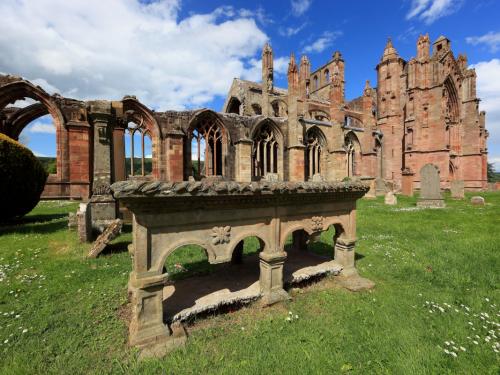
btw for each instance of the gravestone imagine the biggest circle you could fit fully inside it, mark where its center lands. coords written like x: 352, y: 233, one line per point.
x: 430, y: 188
x: 380, y: 187
x: 108, y: 235
x: 457, y: 189
x: 477, y: 201
x: 370, y: 194
x: 84, y: 224
x: 390, y: 199
x: 72, y: 220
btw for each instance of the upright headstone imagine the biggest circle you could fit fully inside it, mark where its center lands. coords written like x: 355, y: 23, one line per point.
x: 430, y: 187
x: 390, y: 199
x: 84, y: 224
x: 457, y: 189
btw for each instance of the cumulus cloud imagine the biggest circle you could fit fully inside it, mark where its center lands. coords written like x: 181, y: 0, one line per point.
x: 323, y: 42
x: 41, y: 127
x: 491, y: 40
x: 429, y: 11
x: 76, y: 48
x: 488, y: 89
x: 299, y: 7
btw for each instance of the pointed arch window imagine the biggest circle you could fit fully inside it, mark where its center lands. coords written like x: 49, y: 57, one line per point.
x: 140, y: 156
x: 353, y: 154
x: 314, y: 153
x: 207, y: 142
x: 265, y: 150
x: 327, y: 76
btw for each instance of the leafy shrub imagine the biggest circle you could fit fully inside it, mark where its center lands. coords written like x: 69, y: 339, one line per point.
x: 23, y: 179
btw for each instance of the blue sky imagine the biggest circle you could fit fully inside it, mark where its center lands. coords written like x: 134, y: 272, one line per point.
x: 183, y: 54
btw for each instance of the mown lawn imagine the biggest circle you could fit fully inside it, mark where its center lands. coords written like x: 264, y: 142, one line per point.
x: 436, y: 274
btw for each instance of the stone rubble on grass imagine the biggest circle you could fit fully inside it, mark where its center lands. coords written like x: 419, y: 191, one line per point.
x: 477, y: 201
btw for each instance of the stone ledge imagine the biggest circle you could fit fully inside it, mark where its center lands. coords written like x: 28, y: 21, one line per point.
x: 126, y: 189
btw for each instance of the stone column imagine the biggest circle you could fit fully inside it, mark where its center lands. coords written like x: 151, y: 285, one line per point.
x: 102, y: 204
x: 344, y: 255
x: 120, y: 174
x: 177, y: 163
x: 296, y: 168
x: 244, y: 160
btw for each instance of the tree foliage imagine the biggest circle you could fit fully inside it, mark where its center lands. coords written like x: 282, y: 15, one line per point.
x: 23, y: 179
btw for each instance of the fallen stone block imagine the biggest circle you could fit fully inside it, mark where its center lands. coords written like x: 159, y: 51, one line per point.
x: 109, y: 234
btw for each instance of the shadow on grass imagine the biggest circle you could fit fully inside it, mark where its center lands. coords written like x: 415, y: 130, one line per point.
x: 35, y: 224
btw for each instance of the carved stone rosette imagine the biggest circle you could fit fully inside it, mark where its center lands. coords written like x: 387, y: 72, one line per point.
x: 221, y: 235
x: 317, y: 223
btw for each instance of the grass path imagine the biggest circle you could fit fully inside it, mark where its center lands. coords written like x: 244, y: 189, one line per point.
x: 435, y: 309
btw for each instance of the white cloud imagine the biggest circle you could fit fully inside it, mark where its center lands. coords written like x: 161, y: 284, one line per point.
x: 299, y: 7
x: 41, y: 127
x: 488, y: 90
x: 78, y: 49
x: 323, y: 42
x: 40, y: 155
x: 429, y: 11
x: 491, y: 39
x: 290, y: 31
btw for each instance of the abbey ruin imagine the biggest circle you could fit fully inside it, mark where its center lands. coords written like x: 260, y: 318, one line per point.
x: 424, y: 110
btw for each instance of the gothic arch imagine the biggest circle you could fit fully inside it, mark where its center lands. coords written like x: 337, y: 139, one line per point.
x: 23, y: 116
x: 234, y: 105
x: 352, y: 147
x: 315, y: 152
x: 136, y: 112
x: 207, y: 130
x: 450, y: 101
x: 267, y: 149
x: 22, y: 89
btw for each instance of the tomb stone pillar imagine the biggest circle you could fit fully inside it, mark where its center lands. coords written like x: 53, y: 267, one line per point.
x: 272, y: 260
x: 146, y: 293
x: 344, y: 255
x: 146, y: 325
x: 103, y: 206
x: 271, y: 277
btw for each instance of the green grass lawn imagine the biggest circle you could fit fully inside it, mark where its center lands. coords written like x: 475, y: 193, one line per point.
x: 436, y: 274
